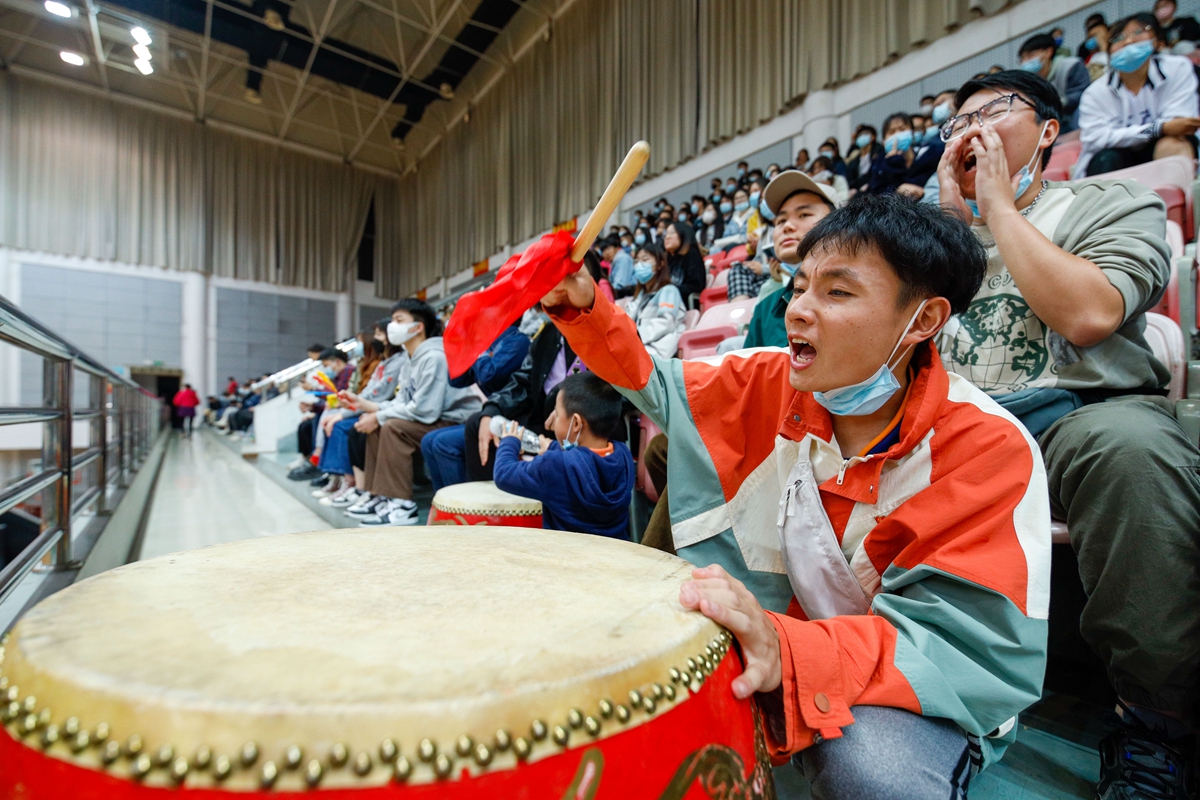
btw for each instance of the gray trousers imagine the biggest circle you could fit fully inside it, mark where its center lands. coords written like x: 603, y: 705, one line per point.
x: 891, y: 754
x: 1124, y: 478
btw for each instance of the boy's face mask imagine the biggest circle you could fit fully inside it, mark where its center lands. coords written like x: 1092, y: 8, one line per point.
x: 566, y: 442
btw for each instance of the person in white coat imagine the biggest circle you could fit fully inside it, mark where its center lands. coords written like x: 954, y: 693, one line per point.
x: 657, y: 307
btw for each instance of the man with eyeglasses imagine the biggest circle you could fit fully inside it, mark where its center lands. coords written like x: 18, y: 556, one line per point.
x: 1144, y: 108
x: 1055, y: 335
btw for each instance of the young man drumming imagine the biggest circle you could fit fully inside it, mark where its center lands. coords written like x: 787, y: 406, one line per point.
x: 905, y: 510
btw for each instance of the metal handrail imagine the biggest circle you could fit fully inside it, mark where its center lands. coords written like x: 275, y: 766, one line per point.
x: 115, y: 403
x: 295, y: 370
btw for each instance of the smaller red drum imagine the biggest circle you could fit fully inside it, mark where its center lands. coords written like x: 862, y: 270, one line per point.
x: 481, y: 503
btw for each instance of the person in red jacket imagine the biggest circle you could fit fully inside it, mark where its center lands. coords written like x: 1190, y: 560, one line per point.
x: 185, y: 403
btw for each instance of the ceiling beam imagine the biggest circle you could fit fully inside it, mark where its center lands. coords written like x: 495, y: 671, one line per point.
x: 202, y: 84
x: 416, y: 62
x: 97, y: 45
x: 312, y: 56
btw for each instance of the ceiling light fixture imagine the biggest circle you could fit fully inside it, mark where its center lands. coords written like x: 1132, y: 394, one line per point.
x: 140, y: 36
x: 446, y: 91
x: 142, y: 52
x: 74, y: 59
x: 59, y: 9
x: 143, y: 66
x: 273, y: 20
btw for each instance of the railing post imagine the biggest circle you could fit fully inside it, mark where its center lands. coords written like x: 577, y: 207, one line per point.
x: 57, y: 453
x: 102, y: 389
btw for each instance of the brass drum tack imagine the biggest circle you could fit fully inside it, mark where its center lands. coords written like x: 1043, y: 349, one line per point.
x: 401, y: 769
x: 503, y: 740
x: 463, y: 745
x: 313, y: 773
x: 338, y: 755
x: 362, y: 764
x: 442, y: 765
x: 388, y: 751
x: 426, y: 750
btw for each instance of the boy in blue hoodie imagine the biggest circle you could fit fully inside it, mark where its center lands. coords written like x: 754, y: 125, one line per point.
x: 584, y: 480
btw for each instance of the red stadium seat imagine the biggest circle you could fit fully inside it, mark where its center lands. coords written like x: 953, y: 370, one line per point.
x: 736, y: 314
x: 713, y: 296
x: 700, y: 342
x: 1073, y: 136
x: 1176, y: 201
x: 1064, y: 155
x: 1057, y: 174
x: 738, y: 253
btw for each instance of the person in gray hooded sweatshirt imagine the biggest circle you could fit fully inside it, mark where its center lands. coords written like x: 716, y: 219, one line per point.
x: 424, y: 402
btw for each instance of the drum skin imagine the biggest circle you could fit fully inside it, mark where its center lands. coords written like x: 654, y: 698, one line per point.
x: 481, y: 503
x: 678, y: 733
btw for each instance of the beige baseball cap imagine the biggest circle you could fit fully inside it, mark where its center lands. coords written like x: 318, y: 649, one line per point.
x: 790, y: 181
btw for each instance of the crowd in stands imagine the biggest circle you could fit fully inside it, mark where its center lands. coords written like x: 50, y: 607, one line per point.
x: 872, y: 335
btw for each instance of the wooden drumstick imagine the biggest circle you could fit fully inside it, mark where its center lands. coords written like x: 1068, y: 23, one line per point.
x: 635, y: 159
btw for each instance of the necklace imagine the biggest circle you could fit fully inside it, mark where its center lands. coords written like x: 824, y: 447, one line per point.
x: 1028, y: 208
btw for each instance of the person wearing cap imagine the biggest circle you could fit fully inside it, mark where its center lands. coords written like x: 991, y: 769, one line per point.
x: 876, y: 530
x: 798, y: 203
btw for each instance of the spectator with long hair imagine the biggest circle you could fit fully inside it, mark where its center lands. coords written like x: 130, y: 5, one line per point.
x: 684, y: 258
x: 657, y: 307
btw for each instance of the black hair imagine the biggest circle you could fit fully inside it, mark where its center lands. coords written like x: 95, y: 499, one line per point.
x: 421, y: 312
x: 332, y: 352
x: 687, y: 236
x: 585, y: 394
x: 1039, y: 41
x: 314, y: 348
x: 933, y: 251
x: 612, y: 240
x: 1093, y: 21
x: 825, y: 162
x: 662, y: 269
x: 592, y: 262
x: 1034, y: 88
x: 893, y: 117
x: 1142, y: 18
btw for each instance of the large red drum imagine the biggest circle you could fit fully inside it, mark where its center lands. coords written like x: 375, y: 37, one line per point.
x: 481, y: 503
x: 384, y: 663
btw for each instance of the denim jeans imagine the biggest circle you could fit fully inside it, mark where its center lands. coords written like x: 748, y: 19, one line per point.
x: 445, y: 453
x: 891, y: 754
x: 335, y: 456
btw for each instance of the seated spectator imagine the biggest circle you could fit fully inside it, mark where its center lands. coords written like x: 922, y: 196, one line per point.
x: 1094, y: 49
x: 1176, y: 29
x: 832, y: 151
x: 657, y: 307
x: 741, y: 218
x: 424, y: 402
x: 445, y: 450
x: 1055, y: 335
x: 1067, y: 74
x: 1145, y: 108
x: 925, y: 107
x: 943, y: 109
x: 802, y: 158
x: 919, y: 122
x: 800, y: 205
x: 866, y: 153
x: 620, y: 273
x: 821, y: 171
x: 907, y: 165
x: 772, y: 171
x: 338, y: 424
x: 1059, y: 36
x: 687, y: 264
x: 371, y: 340
x: 584, y: 478
x: 712, y: 225
x: 923, y: 627
x: 743, y: 171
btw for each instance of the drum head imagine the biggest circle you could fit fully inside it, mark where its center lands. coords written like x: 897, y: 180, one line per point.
x: 350, y: 638
x: 482, y: 497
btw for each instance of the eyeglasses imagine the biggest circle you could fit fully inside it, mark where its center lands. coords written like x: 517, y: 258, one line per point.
x: 993, y: 112
x: 1120, y: 38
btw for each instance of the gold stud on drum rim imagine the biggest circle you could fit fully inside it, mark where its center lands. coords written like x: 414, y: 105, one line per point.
x: 538, y: 730
x: 313, y: 773
x: 503, y: 740
x: 164, y: 756
x: 362, y: 764
x: 293, y: 757
x: 648, y: 704
x: 101, y: 734
x: 140, y: 766
x: 401, y: 770
x: 29, y: 704
x: 388, y: 751
x: 179, y: 769
x: 268, y: 775
x: 203, y: 757
x: 80, y: 742
x: 222, y: 768
x: 464, y: 745
x: 561, y: 735
x: 669, y: 691
x: 248, y: 754
x: 442, y: 765
x: 49, y: 736
x: 606, y: 708
x: 10, y: 712
x: 592, y: 725
x: 338, y: 755
x: 623, y: 713
x: 110, y: 753
x: 522, y: 748
x: 426, y: 750
x: 70, y: 727
x: 482, y: 754
x: 657, y: 691
x: 575, y: 718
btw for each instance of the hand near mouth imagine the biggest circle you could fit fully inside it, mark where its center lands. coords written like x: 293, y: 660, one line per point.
x: 995, y: 188
x: 950, y: 177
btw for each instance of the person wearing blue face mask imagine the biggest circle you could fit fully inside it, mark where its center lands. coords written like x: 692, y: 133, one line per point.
x: 657, y: 306
x: 867, y: 151
x: 907, y: 163
x: 743, y: 219
x: 1073, y: 269
x: 1144, y: 108
x: 620, y: 271
x: 1068, y: 74
x: 774, y: 474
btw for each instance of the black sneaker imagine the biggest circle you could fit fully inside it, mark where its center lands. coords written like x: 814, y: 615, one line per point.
x: 320, y: 480
x: 304, y: 473
x: 1138, y: 762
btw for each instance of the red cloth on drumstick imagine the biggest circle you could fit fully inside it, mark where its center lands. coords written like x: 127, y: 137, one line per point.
x: 524, y: 279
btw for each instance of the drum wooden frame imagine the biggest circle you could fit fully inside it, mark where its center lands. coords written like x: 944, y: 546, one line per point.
x: 113, y: 724
x: 483, y: 503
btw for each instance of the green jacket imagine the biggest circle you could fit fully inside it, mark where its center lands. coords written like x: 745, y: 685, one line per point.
x: 766, y: 326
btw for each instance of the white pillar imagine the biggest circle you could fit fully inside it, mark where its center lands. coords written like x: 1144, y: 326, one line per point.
x: 215, y: 382
x: 820, y: 120
x: 344, y: 319
x: 10, y: 357
x: 194, y: 338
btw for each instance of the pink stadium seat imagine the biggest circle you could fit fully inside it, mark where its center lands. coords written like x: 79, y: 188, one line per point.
x: 1174, y: 171
x: 1165, y: 338
x: 1057, y: 174
x: 716, y: 295
x: 1073, y: 136
x: 721, y: 278
x: 1176, y: 201
x: 1064, y: 155
x: 738, y: 253
x: 690, y: 319
x: 649, y: 431
x: 699, y: 342
x: 736, y: 314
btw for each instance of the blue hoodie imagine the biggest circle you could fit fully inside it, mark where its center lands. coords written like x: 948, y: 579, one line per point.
x: 579, y: 490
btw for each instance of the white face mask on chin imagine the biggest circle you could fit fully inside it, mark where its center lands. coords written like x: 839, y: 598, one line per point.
x: 398, y: 333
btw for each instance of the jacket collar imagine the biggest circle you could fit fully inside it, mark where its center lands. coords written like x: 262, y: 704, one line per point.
x: 928, y: 392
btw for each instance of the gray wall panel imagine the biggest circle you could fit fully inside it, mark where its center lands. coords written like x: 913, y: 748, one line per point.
x: 259, y: 332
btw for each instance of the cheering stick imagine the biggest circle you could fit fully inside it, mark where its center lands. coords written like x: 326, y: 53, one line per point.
x: 635, y: 159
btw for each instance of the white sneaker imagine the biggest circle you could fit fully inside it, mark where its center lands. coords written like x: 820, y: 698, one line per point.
x: 395, y: 512
x: 299, y: 462
x: 331, y: 487
x: 366, y: 506
x: 342, y: 498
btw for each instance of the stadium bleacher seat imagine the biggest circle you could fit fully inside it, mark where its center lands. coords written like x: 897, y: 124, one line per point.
x: 737, y: 314
x: 1176, y: 202
x: 690, y: 319
x: 714, y: 295
x: 1064, y: 155
x: 1179, y: 261
x: 1173, y: 171
x: 700, y: 342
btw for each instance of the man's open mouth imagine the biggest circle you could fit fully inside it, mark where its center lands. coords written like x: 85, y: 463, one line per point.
x: 969, y: 162
x: 803, y: 353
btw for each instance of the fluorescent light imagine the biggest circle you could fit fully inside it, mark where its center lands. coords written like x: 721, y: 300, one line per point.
x: 143, y: 66
x: 74, y: 59
x: 142, y: 52
x: 59, y: 9
x: 140, y: 35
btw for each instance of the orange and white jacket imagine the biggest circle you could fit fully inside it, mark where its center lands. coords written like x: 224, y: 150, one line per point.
x: 916, y: 578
